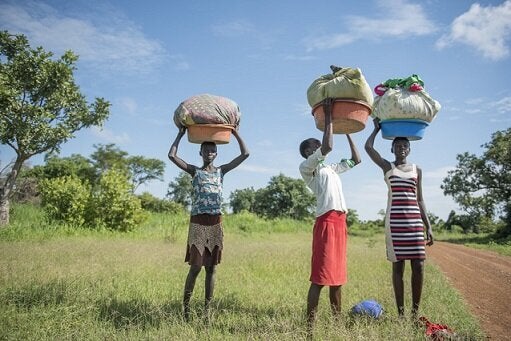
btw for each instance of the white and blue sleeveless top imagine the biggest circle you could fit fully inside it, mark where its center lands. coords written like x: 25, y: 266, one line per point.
x: 207, y: 192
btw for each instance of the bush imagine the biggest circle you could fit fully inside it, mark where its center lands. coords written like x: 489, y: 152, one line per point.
x: 153, y: 204
x: 26, y: 191
x: 113, y: 205
x: 65, y: 199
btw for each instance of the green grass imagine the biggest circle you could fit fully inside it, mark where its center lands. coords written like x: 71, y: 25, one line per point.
x: 484, y: 241
x: 90, y: 285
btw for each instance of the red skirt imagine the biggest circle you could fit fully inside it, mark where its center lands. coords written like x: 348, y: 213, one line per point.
x: 329, y: 242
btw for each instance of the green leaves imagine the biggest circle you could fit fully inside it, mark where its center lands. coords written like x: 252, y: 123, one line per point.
x: 40, y: 105
x: 65, y: 199
x: 283, y: 197
x: 110, y: 204
x: 482, y: 185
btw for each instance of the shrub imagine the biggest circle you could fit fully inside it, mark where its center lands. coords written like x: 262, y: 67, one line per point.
x: 113, y: 205
x: 153, y: 204
x: 65, y: 199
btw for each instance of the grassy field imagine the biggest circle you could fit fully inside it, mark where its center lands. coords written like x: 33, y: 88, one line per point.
x: 484, y: 241
x: 58, y: 283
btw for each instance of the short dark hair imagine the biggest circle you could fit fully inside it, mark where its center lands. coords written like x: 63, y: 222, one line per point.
x: 207, y: 143
x: 399, y: 138
x: 307, y: 143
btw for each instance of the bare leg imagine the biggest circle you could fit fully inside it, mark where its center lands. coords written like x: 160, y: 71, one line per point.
x: 312, y: 305
x: 335, y: 299
x: 189, y: 285
x: 397, y: 282
x: 210, y: 288
x: 417, y: 281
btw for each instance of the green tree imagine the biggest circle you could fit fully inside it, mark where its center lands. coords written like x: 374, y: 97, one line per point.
x: 139, y: 168
x: 65, y: 199
x: 284, y: 197
x: 109, y: 156
x: 113, y: 205
x: 242, y: 200
x: 180, y: 190
x: 153, y: 204
x: 41, y: 107
x: 352, y: 217
x: 482, y: 185
x: 55, y: 167
x: 433, y: 218
x: 144, y: 169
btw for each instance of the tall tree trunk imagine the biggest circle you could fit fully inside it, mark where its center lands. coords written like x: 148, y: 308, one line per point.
x: 4, y: 211
x: 6, y: 190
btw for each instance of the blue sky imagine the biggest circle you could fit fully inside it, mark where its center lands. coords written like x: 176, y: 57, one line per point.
x: 145, y: 57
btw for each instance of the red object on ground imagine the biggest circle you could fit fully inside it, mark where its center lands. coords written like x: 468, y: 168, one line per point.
x: 436, y: 331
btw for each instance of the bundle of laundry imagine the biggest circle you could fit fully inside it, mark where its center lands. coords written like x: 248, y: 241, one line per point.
x: 208, y: 118
x: 404, y: 107
x: 352, y: 96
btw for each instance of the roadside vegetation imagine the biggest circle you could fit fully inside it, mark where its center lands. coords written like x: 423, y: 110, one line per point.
x: 59, y: 282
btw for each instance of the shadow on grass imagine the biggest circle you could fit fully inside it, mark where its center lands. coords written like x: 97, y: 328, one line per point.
x: 138, y: 313
x: 36, y: 295
x: 232, y: 315
x: 228, y: 313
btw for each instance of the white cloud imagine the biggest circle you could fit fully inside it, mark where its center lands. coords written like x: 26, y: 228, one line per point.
x: 397, y: 18
x: 493, y: 109
x: 265, y: 143
x: 236, y: 28
x: 129, y: 105
x: 104, y: 39
x: 179, y: 62
x: 303, y: 58
x: 503, y: 105
x: 437, y: 174
x: 501, y: 120
x: 109, y: 136
x: 475, y: 101
x: 258, y: 169
x: 487, y: 29
x: 244, y: 29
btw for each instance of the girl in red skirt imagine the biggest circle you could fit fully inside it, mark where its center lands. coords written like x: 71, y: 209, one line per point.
x: 329, y: 240
x: 205, y: 232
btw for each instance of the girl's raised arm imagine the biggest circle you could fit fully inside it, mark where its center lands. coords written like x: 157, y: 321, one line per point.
x: 173, y: 153
x: 373, y: 154
x: 240, y: 158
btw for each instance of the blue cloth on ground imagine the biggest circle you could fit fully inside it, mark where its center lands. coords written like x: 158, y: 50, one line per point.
x: 369, y: 308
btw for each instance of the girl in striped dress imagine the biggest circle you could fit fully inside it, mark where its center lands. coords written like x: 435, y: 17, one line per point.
x: 405, y: 220
x: 205, y: 231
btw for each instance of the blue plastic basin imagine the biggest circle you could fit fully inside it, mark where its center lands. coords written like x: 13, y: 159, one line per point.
x: 411, y: 129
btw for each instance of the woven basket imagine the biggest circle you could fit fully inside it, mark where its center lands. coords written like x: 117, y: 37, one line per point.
x: 218, y: 133
x: 348, y: 116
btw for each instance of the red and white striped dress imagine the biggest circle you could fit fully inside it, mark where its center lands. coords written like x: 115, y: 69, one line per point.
x: 404, y: 229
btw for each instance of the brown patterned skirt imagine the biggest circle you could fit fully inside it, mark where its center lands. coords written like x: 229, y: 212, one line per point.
x: 205, y: 240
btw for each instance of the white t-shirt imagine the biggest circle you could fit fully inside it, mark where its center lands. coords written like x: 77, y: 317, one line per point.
x: 324, y: 181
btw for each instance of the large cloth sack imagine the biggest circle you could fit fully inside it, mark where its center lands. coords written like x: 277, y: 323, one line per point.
x: 347, y: 83
x: 399, y: 103
x: 207, y: 109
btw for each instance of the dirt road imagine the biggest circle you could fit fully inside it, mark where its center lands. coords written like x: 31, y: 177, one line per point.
x: 484, y: 280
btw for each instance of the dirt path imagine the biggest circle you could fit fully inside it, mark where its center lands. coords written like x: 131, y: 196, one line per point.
x: 484, y: 280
